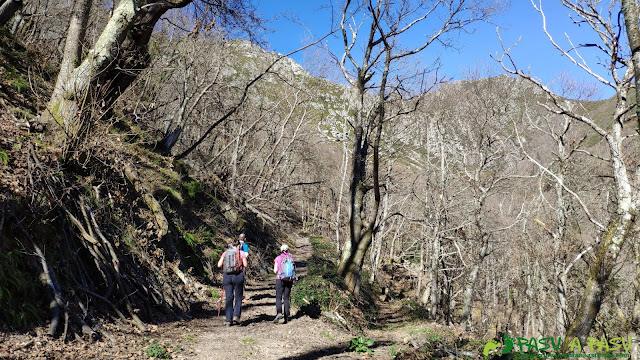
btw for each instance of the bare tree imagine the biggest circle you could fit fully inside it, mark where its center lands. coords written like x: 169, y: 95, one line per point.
x: 607, y: 29
x: 379, y: 51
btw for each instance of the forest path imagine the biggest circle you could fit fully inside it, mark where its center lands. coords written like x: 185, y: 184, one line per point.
x: 302, y: 338
x: 257, y: 337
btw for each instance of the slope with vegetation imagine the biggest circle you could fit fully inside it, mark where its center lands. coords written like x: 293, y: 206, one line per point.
x: 481, y: 211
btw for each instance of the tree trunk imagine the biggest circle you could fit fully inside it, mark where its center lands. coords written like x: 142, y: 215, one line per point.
x: 360, y: 229
x: 559, y: 236
x: 467, y: 304
x: 433, y: 269
x: 375, y: 255
x: 8, y: 9
x: 352, y: 267
x: 75, y: 89
x: 72, y: 52
x: 631, y: 12
x: 634, y: 332
x: 599, y: 275
x: 345, y: 168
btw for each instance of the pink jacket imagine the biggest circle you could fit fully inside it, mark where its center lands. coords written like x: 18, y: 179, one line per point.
x: 278, y: 263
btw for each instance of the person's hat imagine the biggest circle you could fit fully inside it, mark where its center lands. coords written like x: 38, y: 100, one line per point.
x: 284, y: 247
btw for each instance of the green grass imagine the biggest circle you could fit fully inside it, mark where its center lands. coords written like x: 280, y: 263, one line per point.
x: 4, y: 158
x: 431, y: 335
x: 328, y: 336
x: 193, y: 188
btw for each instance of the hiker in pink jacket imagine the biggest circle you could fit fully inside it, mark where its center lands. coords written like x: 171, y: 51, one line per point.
x: 284, y: 282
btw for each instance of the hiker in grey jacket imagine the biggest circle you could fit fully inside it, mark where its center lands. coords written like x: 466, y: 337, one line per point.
x: 233, y: 261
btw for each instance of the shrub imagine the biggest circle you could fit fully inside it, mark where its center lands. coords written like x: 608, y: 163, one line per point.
x: 360, y: 345
x: 156, y: 350
x: 193, y: 188
x: 322, y: 285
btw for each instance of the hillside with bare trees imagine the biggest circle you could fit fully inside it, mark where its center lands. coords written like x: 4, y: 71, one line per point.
x: 435, y: 218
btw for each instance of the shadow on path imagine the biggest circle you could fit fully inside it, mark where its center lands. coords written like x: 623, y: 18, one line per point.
x: 320, y: 353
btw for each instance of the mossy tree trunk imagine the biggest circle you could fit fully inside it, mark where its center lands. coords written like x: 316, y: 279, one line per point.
x: 599, y: 274
x: 634, y: 331
x: 108, y: 69
x: 609, y: 248
x: 68, y: 105
x: 631, y: 12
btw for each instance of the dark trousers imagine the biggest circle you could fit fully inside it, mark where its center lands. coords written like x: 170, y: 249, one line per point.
x: 283, y: 289
x: 233, y: 289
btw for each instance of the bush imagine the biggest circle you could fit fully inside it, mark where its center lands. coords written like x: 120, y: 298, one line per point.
x: 322, y: 285
x: 156, y: 350
x: 360, y: 345
x: 193, y: 188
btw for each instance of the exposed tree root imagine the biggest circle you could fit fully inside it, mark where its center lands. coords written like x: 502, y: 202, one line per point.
x: 106, y: 259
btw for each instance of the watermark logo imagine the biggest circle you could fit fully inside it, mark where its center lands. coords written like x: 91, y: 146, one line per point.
x: 493, y: 345
x: 535, y: 348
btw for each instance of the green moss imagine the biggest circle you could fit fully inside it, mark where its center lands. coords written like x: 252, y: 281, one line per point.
x: 55, y: 113
x: 128, y: 237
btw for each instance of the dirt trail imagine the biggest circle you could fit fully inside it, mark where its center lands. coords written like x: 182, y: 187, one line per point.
x: 257, y: 337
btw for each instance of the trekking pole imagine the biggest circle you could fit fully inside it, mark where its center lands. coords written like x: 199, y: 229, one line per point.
x: 221, y: 293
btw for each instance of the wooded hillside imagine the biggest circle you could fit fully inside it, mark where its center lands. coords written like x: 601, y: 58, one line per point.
x: 132, y: 150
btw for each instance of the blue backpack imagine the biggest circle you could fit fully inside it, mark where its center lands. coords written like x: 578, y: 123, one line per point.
x: 288, y: 269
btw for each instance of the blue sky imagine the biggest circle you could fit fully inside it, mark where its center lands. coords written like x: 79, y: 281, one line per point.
x: 533, y: 52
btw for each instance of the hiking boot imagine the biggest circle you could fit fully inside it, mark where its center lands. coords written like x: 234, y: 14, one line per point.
x: 227, y: 323
x: 277, y: 319
x: 236, y: 319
